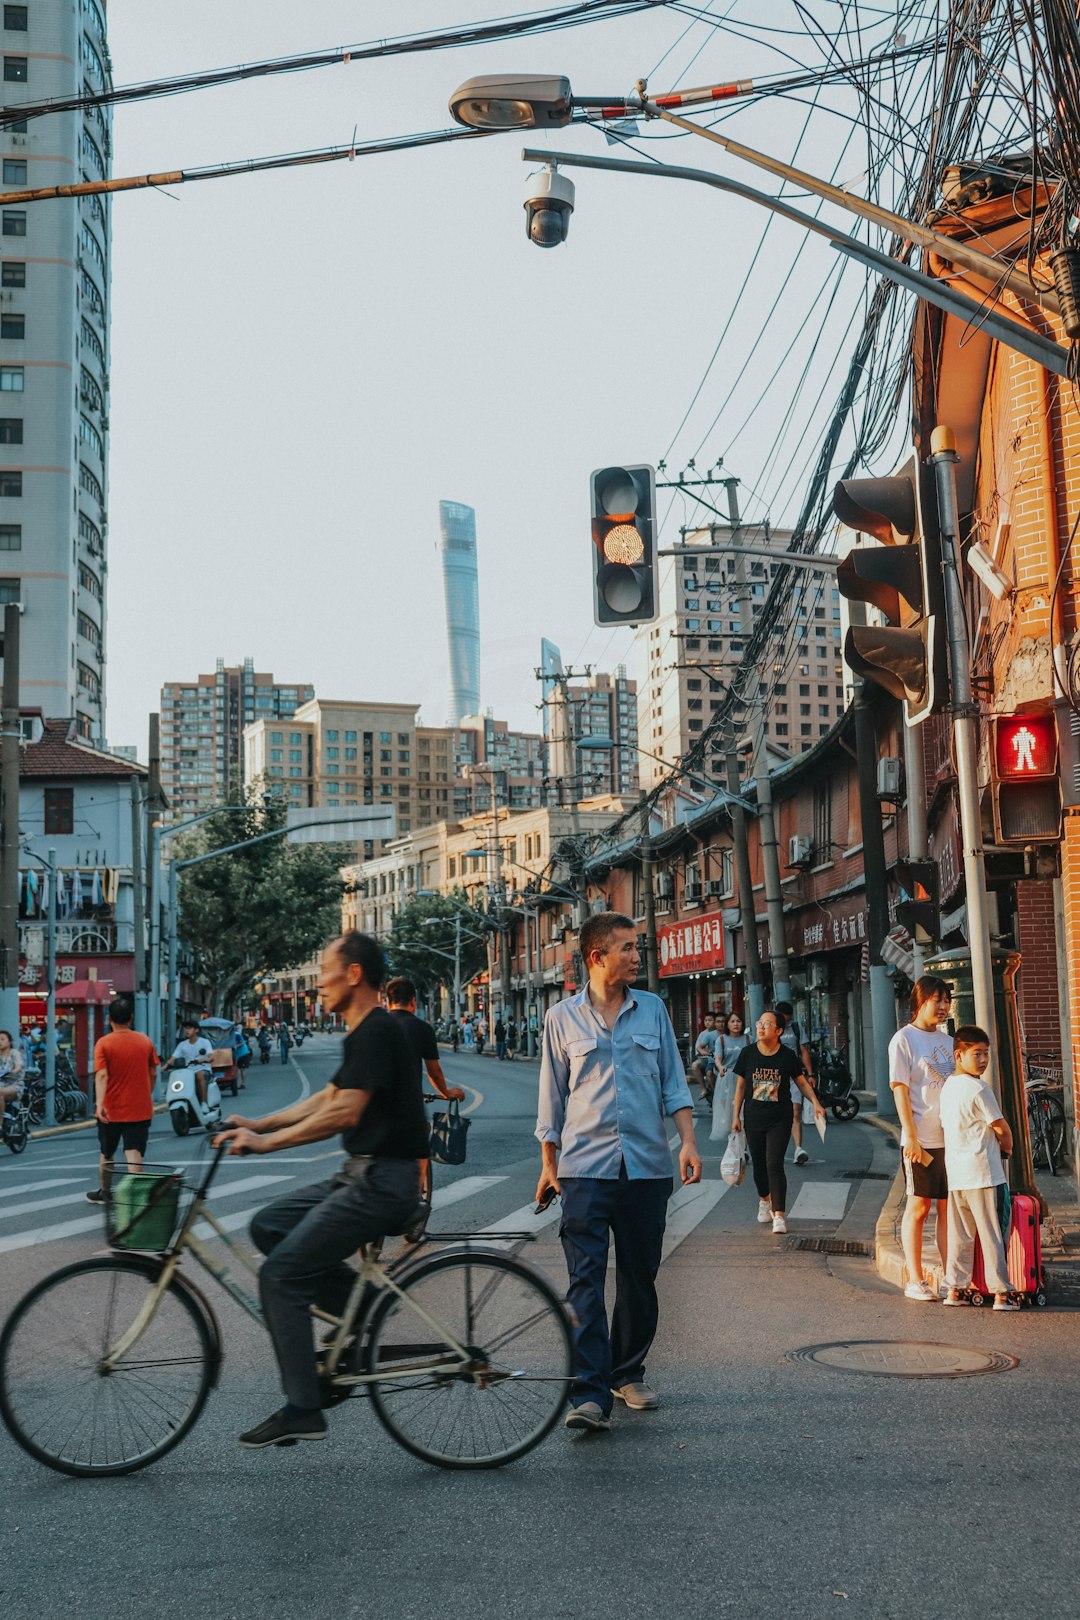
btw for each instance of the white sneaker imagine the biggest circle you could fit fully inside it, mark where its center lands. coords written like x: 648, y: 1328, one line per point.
x: 779, y: 1224
x: 764, y: 1211
x: 801, y: 1156
x: 919, y: 1291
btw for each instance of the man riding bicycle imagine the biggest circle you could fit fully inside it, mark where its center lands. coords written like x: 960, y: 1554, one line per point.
x: 375, y: 1101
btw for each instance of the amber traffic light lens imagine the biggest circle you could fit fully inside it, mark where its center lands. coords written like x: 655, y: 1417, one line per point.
x: 623, y: 544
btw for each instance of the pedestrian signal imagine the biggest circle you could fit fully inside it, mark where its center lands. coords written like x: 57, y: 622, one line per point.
x: 623, y: 503
x: 1027, y: 788
x: 917, y: 906
x: 901, y: 578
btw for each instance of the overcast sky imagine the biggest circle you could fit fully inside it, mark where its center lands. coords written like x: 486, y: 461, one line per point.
x: 305, y: 362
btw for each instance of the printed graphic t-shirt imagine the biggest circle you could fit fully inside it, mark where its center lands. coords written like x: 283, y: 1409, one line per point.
x: 972, y: 1154
x: 767, y: 1097
x: 922, y: 1060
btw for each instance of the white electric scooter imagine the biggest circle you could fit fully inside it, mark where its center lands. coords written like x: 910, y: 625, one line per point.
x: 185, y: 1109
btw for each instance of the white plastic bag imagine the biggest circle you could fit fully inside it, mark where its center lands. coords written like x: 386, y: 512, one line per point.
x: 723, y: 1099
x: 732, y: 1164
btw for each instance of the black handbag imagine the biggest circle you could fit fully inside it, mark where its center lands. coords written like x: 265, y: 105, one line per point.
x: 448, y: 1135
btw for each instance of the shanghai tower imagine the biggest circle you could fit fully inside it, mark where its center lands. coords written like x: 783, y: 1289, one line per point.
x: 457, y: 524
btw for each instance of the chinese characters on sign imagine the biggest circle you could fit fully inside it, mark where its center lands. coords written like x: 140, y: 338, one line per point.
x: 692, y: 947
x: 827, y: 928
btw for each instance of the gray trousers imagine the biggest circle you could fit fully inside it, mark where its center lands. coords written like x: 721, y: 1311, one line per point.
x: 971, y: 1212
x: 307, y: 1238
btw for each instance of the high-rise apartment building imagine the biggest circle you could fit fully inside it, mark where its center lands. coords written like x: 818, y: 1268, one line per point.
x: 457, y: 526
x: 687, y: 657
x: 202, y: 730
x: 54, y: 358
x: 602, y: 706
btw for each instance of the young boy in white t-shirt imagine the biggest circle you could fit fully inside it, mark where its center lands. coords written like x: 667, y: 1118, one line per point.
x: 976, y: 1135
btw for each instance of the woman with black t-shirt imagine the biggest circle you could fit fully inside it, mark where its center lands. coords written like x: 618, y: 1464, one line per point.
x: 764, y: 1072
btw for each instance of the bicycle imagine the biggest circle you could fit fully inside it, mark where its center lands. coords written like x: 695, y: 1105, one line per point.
x: 106, y: 1365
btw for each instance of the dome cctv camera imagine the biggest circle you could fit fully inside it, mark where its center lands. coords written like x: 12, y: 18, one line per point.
x: 549, y: 202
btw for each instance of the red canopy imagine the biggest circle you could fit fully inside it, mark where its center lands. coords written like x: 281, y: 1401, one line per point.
x: 84, y: 993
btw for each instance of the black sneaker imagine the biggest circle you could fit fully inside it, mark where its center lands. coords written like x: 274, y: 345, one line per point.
x: 96, y: 1196
x: 282, y: 1430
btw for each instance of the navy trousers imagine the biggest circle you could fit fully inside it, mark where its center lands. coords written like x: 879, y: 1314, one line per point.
x: 634, y: 1213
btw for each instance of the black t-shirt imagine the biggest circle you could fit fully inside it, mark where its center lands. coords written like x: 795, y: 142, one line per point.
x: 421, y: 1037
x: 379, y: 1058
x: 767, y: 1093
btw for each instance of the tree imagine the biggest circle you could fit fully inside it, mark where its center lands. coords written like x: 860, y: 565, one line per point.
x: 421, y: 943
x: 260, y: 910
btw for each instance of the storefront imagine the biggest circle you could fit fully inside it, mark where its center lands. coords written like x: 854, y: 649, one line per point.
x: 828, y: 953
x: 694, y: 960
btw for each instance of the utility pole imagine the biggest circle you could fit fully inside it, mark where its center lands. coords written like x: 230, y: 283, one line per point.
x: 744, y: 884
x: 918, y: 841
x: 652, y: 966
x: 50, y: 996
x: 155, y: 805
x: 138, y: 898
x: 759, y: 765
x: 9, y: 815
x: 882, y: 1001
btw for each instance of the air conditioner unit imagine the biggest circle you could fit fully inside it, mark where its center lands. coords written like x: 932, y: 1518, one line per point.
x: 692, y: 893
x: 597, y: 906
x: 800, y: 850
x: 888, y: 779
x: 663, y: 885
x: 714, y: 888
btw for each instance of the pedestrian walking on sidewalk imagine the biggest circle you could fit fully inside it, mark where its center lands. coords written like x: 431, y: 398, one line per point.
x: 765, y: 1072
x: 610, y: 1076
x: 500, y: 1040
x: 703, y: 1068
x: 284, y: 1042
x: 976, y: 1137
x: 791, y: 1037
x: 729, y: 1044
x: 511, y: 1039
x: 920, y: 1061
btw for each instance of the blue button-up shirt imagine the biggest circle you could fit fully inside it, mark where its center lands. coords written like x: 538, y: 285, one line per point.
x: 605, y: 1093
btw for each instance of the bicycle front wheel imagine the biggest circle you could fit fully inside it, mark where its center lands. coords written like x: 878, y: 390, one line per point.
x: 512, y: 1390
x: 67, y: 1410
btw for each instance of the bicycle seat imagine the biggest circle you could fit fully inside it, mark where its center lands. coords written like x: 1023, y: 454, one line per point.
x: 414, y: 1230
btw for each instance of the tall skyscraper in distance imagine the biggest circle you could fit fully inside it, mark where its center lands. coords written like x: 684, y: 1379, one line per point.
x: 457, y: 526
x: 54, y: 359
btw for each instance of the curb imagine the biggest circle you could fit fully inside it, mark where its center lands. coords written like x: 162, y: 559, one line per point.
x: 88, y: 1124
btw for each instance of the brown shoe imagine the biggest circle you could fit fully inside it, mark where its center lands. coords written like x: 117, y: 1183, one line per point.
x: 638, y: 1397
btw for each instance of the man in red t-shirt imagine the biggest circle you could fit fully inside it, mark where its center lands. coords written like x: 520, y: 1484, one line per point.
x: 125, y: 1069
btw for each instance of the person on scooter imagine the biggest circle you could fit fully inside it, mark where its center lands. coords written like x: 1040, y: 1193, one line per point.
x: 11, y: 1072
x: 193, y: 1050
x: 265, y: 1043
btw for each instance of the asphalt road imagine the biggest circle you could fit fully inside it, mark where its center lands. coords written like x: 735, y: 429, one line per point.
x: 763, y: 1486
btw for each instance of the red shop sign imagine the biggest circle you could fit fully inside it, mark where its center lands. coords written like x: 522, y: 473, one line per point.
x: 691, y: 947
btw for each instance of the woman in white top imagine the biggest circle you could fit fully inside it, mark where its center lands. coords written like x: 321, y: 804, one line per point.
x: 730, y: 1041
x: 920, y: 1061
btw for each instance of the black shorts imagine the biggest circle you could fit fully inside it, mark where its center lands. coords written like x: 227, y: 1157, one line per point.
x: 134, y: 1133
x: 927, y: 1180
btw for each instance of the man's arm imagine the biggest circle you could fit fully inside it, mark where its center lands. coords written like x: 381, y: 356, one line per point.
x: 285, y: 1118
x: 101, y: 1080
x: 551, y: 1105
x: 438, y: 1079
x: 678, y: 1103
x: 334, y: 1111
x: 1000, y: 1128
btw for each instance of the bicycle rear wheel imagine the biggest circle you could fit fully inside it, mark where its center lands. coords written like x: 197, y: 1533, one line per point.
x: 60, y: 1405
x: 512, y: 1391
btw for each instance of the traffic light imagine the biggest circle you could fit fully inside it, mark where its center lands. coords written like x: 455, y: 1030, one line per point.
x: 623, y: 503
x: 917, y: 908
x: 1027, y: 788
x: 902, y: 579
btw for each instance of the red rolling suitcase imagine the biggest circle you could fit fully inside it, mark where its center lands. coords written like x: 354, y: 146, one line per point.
x: 1023, y: 1253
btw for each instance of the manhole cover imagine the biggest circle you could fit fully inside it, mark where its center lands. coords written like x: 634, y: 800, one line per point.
x: 890, y: 1358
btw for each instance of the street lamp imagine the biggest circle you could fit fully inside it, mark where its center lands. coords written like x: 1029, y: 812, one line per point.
x: 433, y: 922
x: 493, y: 103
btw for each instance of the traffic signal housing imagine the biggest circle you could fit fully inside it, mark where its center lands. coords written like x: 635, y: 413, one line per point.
x: 1026, y: 784
x: 901, y: 577
x: 917, y: 909
x: 625, y: 587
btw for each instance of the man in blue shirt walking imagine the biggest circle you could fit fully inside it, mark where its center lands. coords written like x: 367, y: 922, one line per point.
x: 610, y: 1074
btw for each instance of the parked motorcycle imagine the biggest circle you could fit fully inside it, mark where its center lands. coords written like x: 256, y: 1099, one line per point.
x: 834, y: 1084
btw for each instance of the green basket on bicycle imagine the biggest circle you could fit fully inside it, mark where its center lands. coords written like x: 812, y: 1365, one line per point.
x: 143, y: 1209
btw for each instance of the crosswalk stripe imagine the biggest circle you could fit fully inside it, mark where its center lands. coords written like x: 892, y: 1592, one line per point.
x: 39, y: 1186
x: 467, y: 1187
x: 687, y: 1209
x: 820, y: 1201
x: 92, y: 1223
